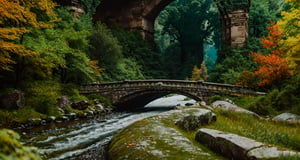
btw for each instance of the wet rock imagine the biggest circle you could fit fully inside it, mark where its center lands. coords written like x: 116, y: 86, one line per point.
x: 43, y: 122
x: 50, y: 119
x: 96, y: 101
x: 90, y: 113
x: 99, y: 106
x: 237, y: 147
x: 63, y: 101
x: 287, y: 117
x: 65, y: 118
x: 12, y: 100
x: 189, y: 104
x: 34, y: 122
x: 158, y: 140
x: 80, y: 105
x: 196, y: 119
x: 230, y: 106
x: 82, y: 115
x: 62, y: 119
x: 61, y: 111
x: 73, y: 115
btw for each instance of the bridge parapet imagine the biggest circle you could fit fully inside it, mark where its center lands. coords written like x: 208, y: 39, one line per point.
x: 120, y: 92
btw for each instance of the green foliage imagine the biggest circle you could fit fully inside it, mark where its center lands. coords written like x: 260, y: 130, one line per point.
x: 231, y: 63
x: 102, y: 99
x: 109, y: 51
x: 42, y: 95
x: 214, y: 98
x: 146, y: 61
x: 189, y: 26
x: 262, y: 106
x: 11, y: 148
x: 286, y: 99
x: 91, y: 5
x: 10, y: 118
x: 260, y: 15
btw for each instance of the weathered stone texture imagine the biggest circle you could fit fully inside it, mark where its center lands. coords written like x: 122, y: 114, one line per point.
x: 196, y: 119
x: 237, y: 147
x: 140, y: 15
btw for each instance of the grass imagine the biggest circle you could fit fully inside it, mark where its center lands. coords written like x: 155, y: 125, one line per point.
x: 126, y: 142
x: 129, y: 143
x: 8, y: 118
x: 270, y: 132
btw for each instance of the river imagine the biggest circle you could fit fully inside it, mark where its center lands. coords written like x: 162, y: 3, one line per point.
x: 88, y: 139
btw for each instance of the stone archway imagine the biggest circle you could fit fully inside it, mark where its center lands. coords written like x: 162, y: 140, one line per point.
x: 140, y: 15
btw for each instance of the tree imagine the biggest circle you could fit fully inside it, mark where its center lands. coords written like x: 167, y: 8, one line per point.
x: 272, y: 68
x: 189, y: 25
x: 290, y: 26
x: 17, y: 19
x: 199, y: 74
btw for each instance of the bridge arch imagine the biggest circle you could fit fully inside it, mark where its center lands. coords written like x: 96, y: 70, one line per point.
x: 140, y: 15
x: 138, y: 93
x: 143, y: 97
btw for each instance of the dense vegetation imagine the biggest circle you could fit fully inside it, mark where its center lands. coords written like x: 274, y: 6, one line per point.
x: 184, y: 29
x: 44, y: 47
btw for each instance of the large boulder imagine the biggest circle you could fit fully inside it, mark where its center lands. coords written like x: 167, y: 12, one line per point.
x: 157, y: 138
x: 287, y: 117
x: 12, y: 100
x: 80, y: 105
x: 193, y: 120
x: 230, y: 106
x: 238, y: 147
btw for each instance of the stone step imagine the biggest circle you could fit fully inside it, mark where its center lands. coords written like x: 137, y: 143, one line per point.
x: 237, y: 147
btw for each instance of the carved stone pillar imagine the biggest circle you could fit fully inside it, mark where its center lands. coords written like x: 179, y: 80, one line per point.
x: 235, y: 28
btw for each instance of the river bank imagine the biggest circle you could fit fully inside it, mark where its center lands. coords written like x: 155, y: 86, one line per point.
x: 176, y: 134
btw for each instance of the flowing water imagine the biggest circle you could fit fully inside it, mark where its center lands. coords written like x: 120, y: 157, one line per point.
x: 88, y: 139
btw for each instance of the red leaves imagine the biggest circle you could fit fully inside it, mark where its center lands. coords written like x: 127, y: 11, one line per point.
x: 272, y: 68
x: 271, y: 42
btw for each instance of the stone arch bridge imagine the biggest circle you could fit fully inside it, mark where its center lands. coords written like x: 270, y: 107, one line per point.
x: 140, y: 15
x: 138, y: 93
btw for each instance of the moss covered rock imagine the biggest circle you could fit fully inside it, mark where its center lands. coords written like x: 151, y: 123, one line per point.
x: 158, y: 138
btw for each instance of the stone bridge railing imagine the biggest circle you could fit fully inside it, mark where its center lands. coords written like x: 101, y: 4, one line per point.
x: 197, y: 89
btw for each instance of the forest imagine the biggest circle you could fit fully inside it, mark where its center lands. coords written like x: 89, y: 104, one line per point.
x: 43, y: 45
x: 47, y: 52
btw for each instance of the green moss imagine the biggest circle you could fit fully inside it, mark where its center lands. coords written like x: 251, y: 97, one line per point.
x: 157, y: 138
x: 8, y: 118
x: 11, y: 148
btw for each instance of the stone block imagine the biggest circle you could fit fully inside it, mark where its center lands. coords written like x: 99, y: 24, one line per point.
x: 192, y: 121
x: 238, y: 147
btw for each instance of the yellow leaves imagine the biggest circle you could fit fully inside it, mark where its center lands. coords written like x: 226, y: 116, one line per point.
x: 12, y: 33
x: 290, y: 25
x: 94, y: 64
x: 16, y: 18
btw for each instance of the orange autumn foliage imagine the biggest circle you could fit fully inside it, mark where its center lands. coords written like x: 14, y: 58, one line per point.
x: 272, y: 68
x: 16, y: 19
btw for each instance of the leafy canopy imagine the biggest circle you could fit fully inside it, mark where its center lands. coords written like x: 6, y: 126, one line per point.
x: 17, y: 18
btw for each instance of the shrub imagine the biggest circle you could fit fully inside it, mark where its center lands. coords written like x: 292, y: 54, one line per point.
x: 42, y: 95
x: 215, y: 98
x: 11, y: 148
x: 102, y: 99
x: 261, y: 106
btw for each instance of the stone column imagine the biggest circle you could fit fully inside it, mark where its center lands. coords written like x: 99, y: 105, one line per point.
x: 235, y: 27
